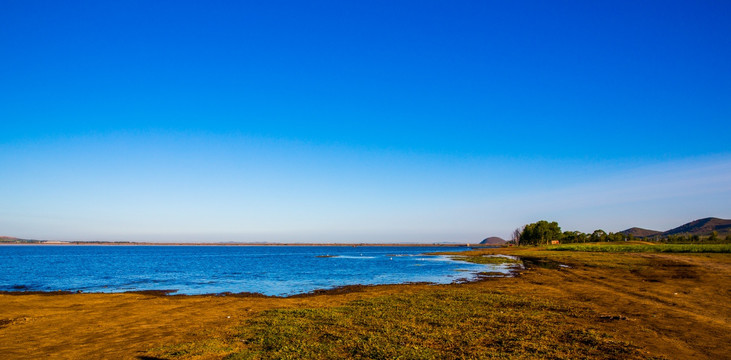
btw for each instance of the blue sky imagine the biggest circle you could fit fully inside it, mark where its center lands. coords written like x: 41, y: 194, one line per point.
x: 377, y: 121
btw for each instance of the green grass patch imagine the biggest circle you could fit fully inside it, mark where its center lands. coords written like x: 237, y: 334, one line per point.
x: 445, y: 324
x: 661, y: 248
x: 439, y: 324
x: 487, y: 259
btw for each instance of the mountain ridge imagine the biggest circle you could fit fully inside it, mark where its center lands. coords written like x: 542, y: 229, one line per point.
x: 700, y: 227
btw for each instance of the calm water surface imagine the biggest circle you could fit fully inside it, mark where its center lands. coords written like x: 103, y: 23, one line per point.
x: 270, y: 270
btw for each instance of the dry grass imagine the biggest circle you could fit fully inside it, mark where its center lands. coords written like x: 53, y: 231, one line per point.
x: 603, y: 305
x: 661, y: 248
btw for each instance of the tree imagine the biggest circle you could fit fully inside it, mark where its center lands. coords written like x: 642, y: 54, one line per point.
x: 615, y: 237
x: 573, y: 237
x: 598, y: 235
x: 516, y: 235
x: 541, y: 232
x: 714, y: 236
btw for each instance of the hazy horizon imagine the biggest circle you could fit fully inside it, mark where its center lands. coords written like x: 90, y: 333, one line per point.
x: 369, y: 122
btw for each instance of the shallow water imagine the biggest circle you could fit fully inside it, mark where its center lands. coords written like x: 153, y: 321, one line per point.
x: 269, y: 270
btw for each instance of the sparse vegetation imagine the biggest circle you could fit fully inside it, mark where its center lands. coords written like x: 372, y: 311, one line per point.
x: 440, y: 324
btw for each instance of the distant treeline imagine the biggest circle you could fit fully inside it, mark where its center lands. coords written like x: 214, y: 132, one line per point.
x: 546, y: 233
x: 713, y: 238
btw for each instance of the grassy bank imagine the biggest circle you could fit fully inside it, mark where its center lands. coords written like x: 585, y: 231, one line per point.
x: 659, y: 248
x: 564, y: 305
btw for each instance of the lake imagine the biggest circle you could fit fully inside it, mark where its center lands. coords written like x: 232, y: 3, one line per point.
x: 269, y: 270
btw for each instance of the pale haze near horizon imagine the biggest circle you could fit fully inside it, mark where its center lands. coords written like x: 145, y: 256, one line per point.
x: 239, y: 189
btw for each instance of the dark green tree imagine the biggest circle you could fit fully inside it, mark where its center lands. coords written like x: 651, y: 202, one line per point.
x: 573, y: 237
x: 598, y: 235
x: 541, y: 232
x: 615, y: 237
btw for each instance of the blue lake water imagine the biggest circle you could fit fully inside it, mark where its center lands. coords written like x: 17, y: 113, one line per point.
x: 269, y: 270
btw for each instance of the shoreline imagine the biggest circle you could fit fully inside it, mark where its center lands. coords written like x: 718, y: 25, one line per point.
x: 340, y: 289
x: 600, y: 305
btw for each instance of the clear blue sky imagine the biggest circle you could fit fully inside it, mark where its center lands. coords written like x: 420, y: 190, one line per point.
x: 346, y: 121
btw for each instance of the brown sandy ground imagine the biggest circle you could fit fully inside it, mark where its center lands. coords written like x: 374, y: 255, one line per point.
x: 673, y: 306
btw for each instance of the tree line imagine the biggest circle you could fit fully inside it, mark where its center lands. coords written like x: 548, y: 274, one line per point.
x: 545, y: 233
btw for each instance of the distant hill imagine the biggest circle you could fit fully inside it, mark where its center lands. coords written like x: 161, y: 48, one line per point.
x: 493, y: 240
x: 9, y: 239
x: 640, y: 232
x: 14, y: 240
x: 702, y: 227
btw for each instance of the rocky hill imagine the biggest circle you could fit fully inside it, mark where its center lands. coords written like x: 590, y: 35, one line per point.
x: 640, y: 232
x: 700, y: 227
x: 493, y: 240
